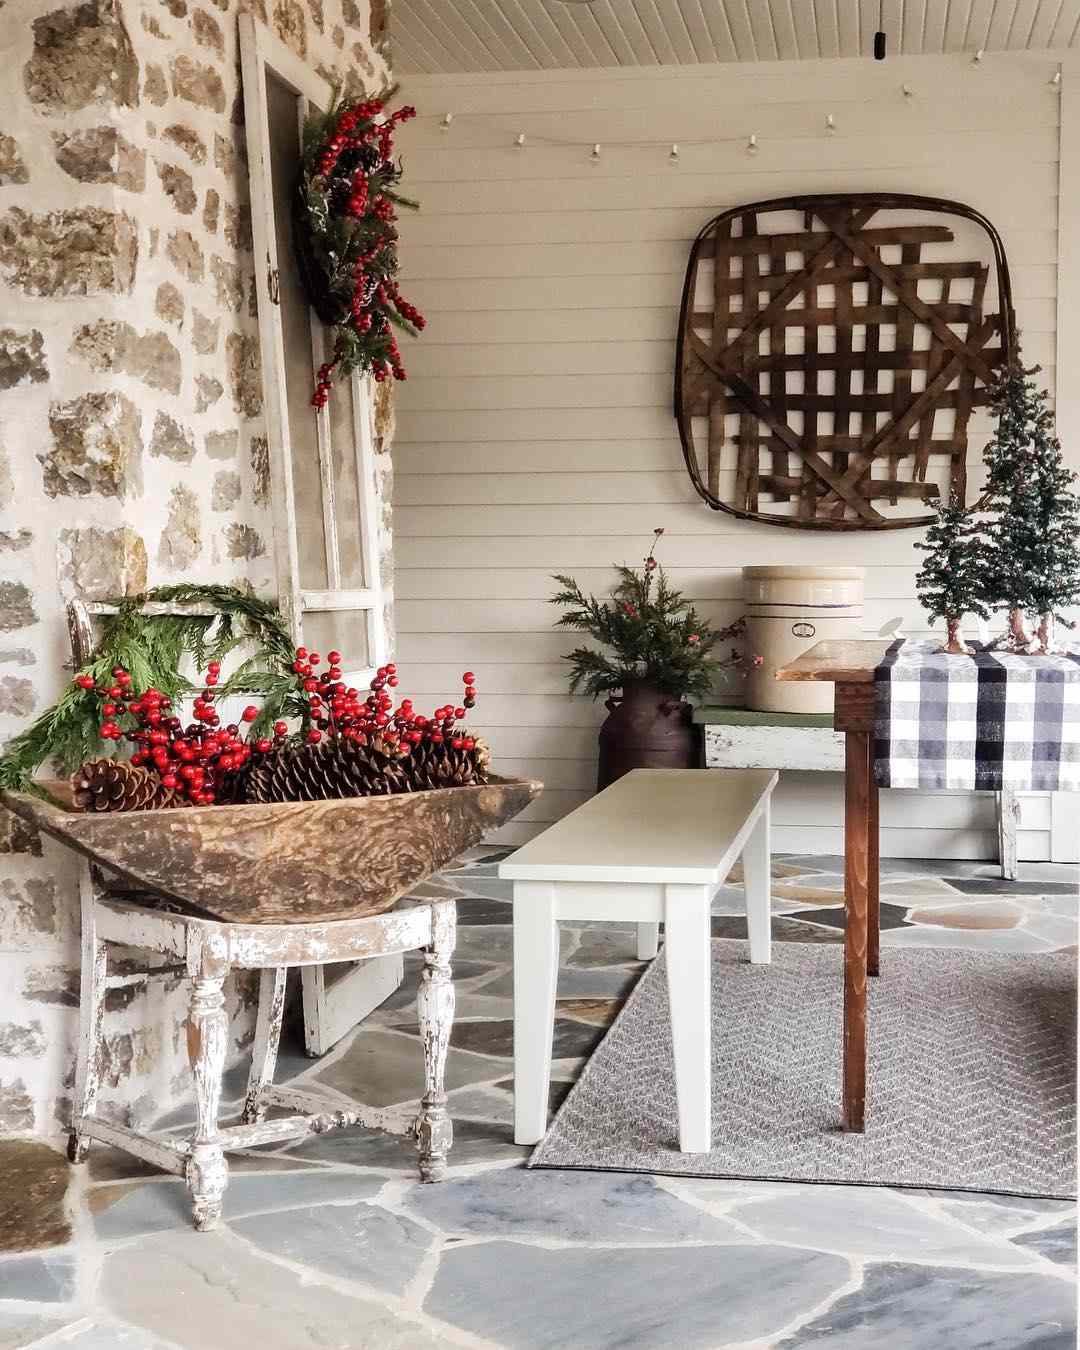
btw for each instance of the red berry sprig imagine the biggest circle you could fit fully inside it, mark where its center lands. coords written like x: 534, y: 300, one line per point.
x: 197, y: 760
x: 356, y: 167
x: 340, y: 711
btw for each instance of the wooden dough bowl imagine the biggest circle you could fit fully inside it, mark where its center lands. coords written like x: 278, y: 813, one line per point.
x: 289, y: 862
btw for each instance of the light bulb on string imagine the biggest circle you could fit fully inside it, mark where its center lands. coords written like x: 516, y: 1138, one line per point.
x: 752, y: 144
x: 595, y: 154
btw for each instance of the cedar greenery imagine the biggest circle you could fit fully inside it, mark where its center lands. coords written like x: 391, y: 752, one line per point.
x: 151, y: 648
x: 654, y: 634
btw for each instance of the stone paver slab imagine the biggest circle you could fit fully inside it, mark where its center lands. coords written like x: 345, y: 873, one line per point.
x: 35, y: 1181
x: 1057, y: 1244
x: 23, y: 1329
x: 474, y: 1142
x: 351, y: 1242
x: 224, y: 1295
x: 568, y: 1206
x: 957, y: 1309
x: 41, y: 1278
x: 115, y: 1336
x: 872, y: 1223
x: 384, y: 1067
x: 649, y: 1298
x: 123, y: 1212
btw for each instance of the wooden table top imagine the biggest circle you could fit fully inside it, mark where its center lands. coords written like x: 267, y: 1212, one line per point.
x: 838, y: 662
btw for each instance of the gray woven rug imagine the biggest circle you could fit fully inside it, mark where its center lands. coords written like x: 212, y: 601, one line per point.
x: 971, y: 1075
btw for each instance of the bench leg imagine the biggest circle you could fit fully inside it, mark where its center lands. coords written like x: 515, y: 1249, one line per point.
x: 757, y: 884
x: 688, y: 947
x: 648, y: 940
x: 536, y: 973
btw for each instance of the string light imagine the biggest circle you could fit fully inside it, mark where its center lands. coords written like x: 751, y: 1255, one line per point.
x: 673, y: 154
x: 909, y: 93
x: 1055, y: 79
x: 519, y: 140
x: 445, y: 125
x: 595, y: 156
x: 751, y: 144
x: 830, y: 124
x: 977, y: 59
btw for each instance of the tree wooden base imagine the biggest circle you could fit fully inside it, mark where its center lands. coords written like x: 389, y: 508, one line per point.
x: 1016, y: 639
x: 1046, y: 643
x: 954, y: 642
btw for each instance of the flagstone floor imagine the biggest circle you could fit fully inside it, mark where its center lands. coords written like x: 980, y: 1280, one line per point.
x: 333, y: 1244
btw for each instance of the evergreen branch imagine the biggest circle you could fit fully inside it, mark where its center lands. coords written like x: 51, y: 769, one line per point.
x: 151, y: 648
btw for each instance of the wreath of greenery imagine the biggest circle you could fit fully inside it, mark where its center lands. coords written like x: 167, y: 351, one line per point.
x: 345, y: 238
x: 151, y: 647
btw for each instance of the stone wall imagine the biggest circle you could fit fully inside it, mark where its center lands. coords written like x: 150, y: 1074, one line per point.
x: 132, y: 445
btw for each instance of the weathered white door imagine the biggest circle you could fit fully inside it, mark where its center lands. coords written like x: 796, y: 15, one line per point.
x: 322, y: 471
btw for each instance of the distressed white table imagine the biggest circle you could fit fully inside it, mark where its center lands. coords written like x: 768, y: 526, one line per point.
x: 739, y: 738
x: 655, y: 845
x: 205, y: 950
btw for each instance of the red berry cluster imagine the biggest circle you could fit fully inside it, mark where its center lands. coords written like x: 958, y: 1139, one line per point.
x: 340, y: 711
x: 196, y: 760
x: 367, y: 147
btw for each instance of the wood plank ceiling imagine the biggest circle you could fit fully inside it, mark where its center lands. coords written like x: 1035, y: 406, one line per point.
x: 474, y: 35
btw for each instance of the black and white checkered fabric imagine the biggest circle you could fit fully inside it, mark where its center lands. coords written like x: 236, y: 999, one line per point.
x: 986, y: 722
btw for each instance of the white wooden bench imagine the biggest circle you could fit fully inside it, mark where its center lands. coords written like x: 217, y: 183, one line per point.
x: 655, y: 846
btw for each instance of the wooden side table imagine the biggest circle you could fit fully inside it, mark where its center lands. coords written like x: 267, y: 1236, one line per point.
x: 850, y: 666
x: 205, y: 950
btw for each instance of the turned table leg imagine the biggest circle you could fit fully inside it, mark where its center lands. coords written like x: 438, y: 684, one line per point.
x: 91, y: 1011
x: 435, y: 1005
x: 207, y: 1038
x: 857, y: 812
x: 272, y: 982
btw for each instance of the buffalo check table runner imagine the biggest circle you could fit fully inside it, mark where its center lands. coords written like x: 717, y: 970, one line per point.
x: 984, y: 722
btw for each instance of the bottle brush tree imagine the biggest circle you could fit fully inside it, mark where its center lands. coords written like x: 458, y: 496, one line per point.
x: 1032, y: 558
x: 949, y: 583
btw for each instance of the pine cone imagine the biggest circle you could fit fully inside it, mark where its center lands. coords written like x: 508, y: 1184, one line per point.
x: 335, y: 768
x: 116, y: 785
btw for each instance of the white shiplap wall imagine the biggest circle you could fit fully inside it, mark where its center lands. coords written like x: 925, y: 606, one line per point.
x: 535, y: 433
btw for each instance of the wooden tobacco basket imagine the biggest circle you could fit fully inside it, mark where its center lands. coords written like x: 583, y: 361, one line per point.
x: 289, y: 862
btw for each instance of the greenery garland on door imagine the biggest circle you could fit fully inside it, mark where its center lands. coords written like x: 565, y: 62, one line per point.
x: 346, y: 241
x: 151, y: 648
